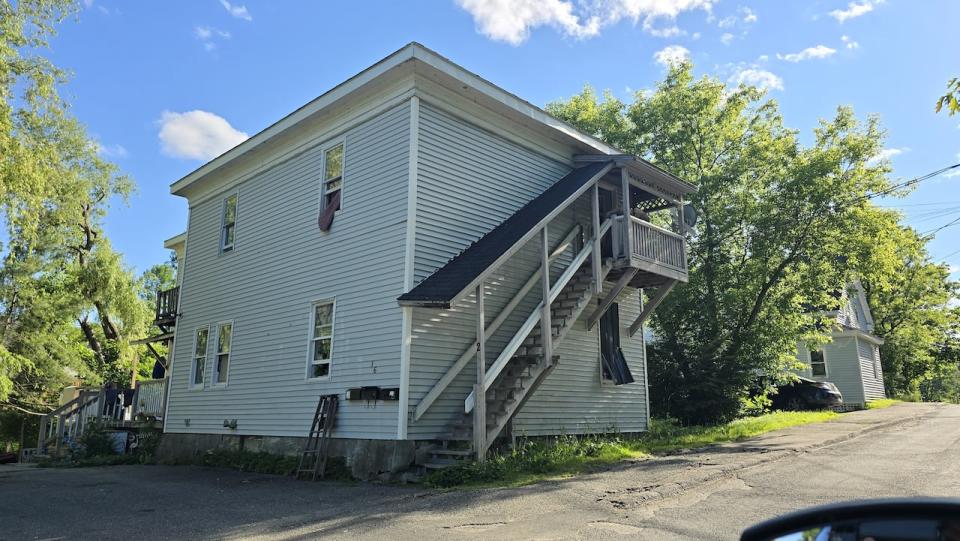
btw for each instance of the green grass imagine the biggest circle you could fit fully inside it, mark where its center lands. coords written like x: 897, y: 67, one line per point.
x: 537, y: 460
x: 882, y: 403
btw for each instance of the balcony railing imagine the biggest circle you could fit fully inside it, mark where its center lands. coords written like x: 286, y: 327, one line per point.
x: 658, y: 245
x: 167, y: 302
x: 149, y: 399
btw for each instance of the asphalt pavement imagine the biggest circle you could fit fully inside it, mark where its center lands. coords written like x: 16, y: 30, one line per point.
x: 905, y: 450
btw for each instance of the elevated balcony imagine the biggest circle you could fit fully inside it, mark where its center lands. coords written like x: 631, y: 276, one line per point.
x: 166, y: 308
x: 656, y: 253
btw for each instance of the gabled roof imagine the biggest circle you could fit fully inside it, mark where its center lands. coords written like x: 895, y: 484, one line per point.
x: 424, y: 63
x: 413, y: 60
x: 442, y: 287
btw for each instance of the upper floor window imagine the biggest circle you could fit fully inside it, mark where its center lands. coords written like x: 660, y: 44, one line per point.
x: 332, y: 185
x: 222, y: 364
x: 199, y: 357
x: 229, y: 227
x: 876, y: 362
x: 321, y: 339
x: 818, y: 364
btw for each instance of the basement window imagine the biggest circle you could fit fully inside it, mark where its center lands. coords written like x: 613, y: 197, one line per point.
x: 199, y: 357
x: 321, y: 340
x: 224, y: 342
x: 613, y: 365
x: 818, y: 363
x: 332, y: 185
x: 229, y: 227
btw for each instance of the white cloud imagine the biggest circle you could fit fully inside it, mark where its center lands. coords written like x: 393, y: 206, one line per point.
x: 208, y: 34
x: 671, y: 55
x: 197, y: 135
x: 763, y: 58
x: 850, y: 43
x: 820, y: 51
x: 695, y: 36
x: 236, y: 10
x: 110, y: 151
x: 854, y: 9
x: 512, y: 20
x: 745, y: 17
x: 753, y: 76
x: 726, y: 38
x: 886, y: 154
x: 665, y: 32
x: 727, y: 22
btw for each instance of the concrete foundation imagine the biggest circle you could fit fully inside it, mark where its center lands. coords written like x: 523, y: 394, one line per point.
x: 367, y: 459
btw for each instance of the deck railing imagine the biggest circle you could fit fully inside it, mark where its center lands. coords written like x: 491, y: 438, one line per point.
x: 167, y: 301
x: 66, y: 424
x: 149, y: 398
x: 658, y: 245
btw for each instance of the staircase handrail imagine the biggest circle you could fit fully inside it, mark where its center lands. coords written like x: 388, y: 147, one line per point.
x: 471, y: 351
x: 534, y: 318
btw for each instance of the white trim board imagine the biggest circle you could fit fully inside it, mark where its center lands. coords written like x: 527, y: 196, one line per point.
x: 413, y: 158
x: 368, y: 86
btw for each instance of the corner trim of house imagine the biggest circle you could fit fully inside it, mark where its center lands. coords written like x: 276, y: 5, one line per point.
x: 408, y: 268
x: 181, y: 279
x: 646, y: 380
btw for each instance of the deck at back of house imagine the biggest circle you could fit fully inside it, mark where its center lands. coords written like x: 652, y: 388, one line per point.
x: 466, y: 221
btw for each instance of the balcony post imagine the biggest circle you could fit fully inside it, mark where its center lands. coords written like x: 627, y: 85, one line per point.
x: 546, y: 326
x: 479, y: 392
x: 595, y: 212
x: 627, y: 233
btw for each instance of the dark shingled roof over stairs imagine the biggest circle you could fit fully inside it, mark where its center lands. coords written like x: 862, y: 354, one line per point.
x: 440, y: 288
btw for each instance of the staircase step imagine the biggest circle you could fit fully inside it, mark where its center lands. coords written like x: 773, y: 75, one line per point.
x: 451, y: 452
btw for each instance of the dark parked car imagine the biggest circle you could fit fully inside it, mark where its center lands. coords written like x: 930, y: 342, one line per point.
x: 807, y: 394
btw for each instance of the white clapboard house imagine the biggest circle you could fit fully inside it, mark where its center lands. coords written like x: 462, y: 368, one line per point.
x: 851, y: 360
x: 378, y: 240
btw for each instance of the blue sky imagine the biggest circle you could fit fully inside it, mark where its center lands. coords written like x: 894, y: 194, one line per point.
x: 164, y: 89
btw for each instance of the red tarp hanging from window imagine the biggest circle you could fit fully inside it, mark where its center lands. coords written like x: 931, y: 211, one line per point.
x: 326, y: 215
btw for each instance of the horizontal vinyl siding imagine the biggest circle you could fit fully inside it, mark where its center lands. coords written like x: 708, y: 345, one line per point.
x: 469, y: 181
x: 872, y: 386
x: 843, y: 367
x: 572, y: 399
x: 439, y: 337
x: 282, y: 263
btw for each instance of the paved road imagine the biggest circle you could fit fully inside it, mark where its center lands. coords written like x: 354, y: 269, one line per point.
x: 906, y: 450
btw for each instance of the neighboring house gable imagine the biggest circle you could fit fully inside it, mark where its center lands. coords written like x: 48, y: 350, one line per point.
x: 852, y: 357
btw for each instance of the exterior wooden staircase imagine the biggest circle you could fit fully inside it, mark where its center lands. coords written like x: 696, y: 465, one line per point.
x: 525, y: 372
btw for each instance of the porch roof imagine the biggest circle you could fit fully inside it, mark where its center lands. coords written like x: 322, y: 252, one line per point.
x: 441, y: 288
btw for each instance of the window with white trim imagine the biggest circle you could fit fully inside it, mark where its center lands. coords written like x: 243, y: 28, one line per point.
x: 199, y: 357
x: 332, y: 172
x: 321, y: 339
x: 331, y: 187
x: 224, y: 343
x: 876, y: 362
x: 818, y: 363
x: 229, y: 228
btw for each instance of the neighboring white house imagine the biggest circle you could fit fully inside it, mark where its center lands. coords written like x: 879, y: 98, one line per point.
x: 341, y: 250
x: 852, y: 359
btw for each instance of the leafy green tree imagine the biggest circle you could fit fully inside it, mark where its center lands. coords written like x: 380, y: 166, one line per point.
x: 951, y: 99
x: 774, y: 221
x: 68, y: 305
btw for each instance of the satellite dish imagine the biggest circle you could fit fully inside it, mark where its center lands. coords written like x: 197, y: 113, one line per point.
x: 689, y: 215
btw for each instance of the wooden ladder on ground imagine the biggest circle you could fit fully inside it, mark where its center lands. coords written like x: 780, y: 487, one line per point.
x: 313, y: 458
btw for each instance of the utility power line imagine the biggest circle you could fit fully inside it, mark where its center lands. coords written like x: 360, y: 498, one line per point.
x: 909, y: 183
